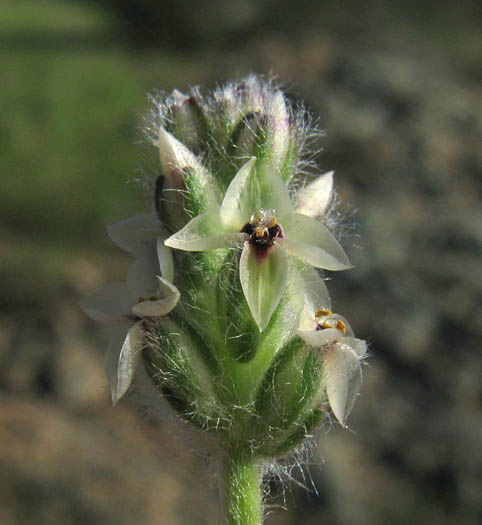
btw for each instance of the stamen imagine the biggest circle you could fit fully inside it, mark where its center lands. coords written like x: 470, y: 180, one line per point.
x: 324, y: 319
x: 263, y: 230
x: 323, y: 313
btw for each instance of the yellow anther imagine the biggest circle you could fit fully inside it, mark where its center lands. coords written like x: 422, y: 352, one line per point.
x: 340, y: 325
x: 325, y: 319
x: 263, y: 219
x: 323, y: 313
x: 261, y: 231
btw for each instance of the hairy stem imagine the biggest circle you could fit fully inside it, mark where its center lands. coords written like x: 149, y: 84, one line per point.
x: 243, y: 488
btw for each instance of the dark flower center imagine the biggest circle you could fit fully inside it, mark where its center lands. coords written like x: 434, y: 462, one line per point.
x: 263, y: 230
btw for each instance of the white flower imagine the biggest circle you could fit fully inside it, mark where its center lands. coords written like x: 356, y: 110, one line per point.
x: 342, y: 352
x: 145, y: 295
x: 256, y: 214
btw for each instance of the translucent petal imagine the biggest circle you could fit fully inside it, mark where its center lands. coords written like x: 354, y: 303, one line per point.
x: 342, y: 372
x: 169, y: 297
x: 311, y: 241
x: 204, y: 232
x: 121, y: 359
x: 133, y: 234
x: 274, y: 194
x: 166, y: 261
x: 316, y: 294
x: 320, y: 338
x: 109, y: 304
x: 314, y: 198
x: 242, y: 197
x: 167, y: 289
x: 263, y: 282
x: 142, y: 274
x: 358, y: 345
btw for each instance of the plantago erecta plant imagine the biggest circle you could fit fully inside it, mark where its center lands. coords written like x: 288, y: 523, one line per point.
x: 225, y: 303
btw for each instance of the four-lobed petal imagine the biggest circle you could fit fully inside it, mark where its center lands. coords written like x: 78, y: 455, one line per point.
x: 254, y: 191
x: 145, y: 295
x: 342, y: 353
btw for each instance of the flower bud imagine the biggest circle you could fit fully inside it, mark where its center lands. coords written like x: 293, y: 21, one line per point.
x: 184, y: 176
x: 188, y: 120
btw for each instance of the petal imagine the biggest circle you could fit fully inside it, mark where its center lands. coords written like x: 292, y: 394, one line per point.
x: 133, y: 234
x: 263, y: 282
x: 121, y: 359
x: 274, y: 194
x: 320, y: 338
x: 204, y: 232
x: 311, y: 241
x: 316, y: 293
x: 167, y: 289
x: 166, y: 261
x: 242, y: 197
x: 313, y: 199
x: 358, y: 345
x: 141, y: 278
x: 156, y: 308
x: 109, y: 304
x: 342, y: 372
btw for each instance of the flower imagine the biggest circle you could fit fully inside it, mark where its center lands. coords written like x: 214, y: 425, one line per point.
x: 256, y: 214
x: 333, y: 337
x: 128, y: 305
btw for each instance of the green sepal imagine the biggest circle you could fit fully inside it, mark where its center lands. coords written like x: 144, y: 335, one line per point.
x: 291, y: 389
x: 297, y: 437
x: 288, y: 168
x: 195, y: 199
x: 275, y: 393
x: 177, y: 359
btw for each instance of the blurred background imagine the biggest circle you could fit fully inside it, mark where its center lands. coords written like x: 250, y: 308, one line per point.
x: 397, y: 87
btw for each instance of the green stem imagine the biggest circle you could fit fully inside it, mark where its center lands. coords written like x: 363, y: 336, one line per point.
x: 243, y: 488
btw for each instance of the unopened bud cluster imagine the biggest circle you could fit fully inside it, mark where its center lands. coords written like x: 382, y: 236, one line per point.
x: 225, y: 303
